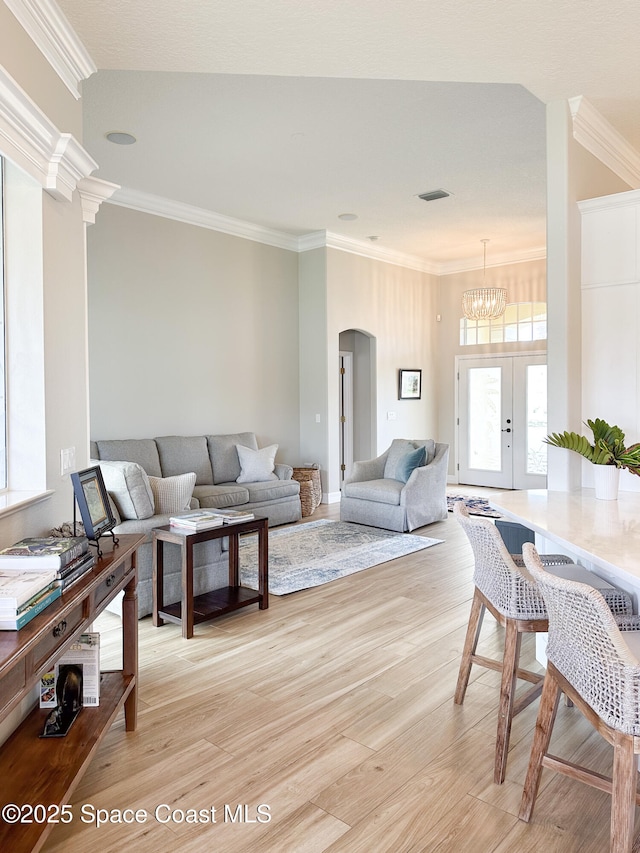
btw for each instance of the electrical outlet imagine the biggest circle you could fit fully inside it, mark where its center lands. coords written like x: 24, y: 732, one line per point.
x: 391, y: 416
x: 67, y: 461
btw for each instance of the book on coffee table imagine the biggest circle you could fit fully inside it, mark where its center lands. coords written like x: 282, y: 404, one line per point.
x: 231, y: 516
x: 196, y: 520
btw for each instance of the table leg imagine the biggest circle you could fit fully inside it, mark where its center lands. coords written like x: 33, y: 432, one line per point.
x: 234, y: 558
x: 158, y: 580
x: 187, y: 590
x: 263, y: 565
x: 130, y: 650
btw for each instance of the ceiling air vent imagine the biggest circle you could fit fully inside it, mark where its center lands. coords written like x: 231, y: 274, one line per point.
x: 433, y: 195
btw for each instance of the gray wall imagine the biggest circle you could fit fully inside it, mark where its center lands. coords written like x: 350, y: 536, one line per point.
x: 190, y: 331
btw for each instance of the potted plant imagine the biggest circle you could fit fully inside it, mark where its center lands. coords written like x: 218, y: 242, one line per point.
x: 608, y: 453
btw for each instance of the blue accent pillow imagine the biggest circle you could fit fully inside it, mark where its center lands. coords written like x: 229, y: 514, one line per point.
x: 410, y: 461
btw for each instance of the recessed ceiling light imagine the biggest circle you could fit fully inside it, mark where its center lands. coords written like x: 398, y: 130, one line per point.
x: 347, y: 217
x: 373, y: 238
x: 120, y: 138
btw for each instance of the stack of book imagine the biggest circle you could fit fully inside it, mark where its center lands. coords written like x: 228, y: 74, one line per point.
x: 233, y: 516
x: 198, y: 519
x: 60, y: 561
x: 25, y: 594
x: 204, y: 519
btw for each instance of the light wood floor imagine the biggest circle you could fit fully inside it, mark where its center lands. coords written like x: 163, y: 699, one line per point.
x: 334, y: 709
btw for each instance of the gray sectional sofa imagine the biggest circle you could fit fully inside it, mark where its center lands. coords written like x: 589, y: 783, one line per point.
x: 139, y: 473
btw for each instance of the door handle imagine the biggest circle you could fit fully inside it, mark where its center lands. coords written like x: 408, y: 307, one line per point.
x: 508, y: 429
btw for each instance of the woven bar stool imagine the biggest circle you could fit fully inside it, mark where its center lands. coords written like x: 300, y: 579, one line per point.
x: 515, y: 602
x: 594, y: 658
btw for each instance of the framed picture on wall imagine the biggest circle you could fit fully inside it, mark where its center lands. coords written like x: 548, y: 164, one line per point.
x: 93, y: 502
x: 410, y: 385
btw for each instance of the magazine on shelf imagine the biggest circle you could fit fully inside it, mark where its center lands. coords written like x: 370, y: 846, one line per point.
x: 14, y: 623
x: 49, y: 552
x: 86, y: 653
x: 198, y: 519
x: 18, y: 588
x: 231, y: 516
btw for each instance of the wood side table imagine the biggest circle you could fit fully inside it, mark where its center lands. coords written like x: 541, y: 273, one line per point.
x: 190, y: 610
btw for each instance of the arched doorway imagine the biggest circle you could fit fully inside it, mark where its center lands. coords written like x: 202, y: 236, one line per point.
x: 357, y: 398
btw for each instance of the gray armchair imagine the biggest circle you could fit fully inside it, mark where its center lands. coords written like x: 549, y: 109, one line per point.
x: 377, y: 494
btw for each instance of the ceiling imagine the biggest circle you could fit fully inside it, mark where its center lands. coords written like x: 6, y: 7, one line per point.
x: 289, y: 113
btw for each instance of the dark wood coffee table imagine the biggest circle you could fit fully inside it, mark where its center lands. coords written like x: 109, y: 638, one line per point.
x: 193, y: 610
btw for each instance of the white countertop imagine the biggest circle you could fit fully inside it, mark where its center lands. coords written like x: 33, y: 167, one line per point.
x: 606, y: 533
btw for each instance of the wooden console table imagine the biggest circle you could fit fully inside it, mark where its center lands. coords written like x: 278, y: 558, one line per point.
x: 43, y: 773
x: 192, y: 610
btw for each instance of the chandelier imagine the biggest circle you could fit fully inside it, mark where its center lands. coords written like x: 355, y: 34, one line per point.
x: 484, y: 303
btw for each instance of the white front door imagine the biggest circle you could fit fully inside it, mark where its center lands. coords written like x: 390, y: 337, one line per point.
x: 502, y: 419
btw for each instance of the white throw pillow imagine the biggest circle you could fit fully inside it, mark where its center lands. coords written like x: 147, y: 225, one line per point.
x: 256, y: 466
x: 172, y: 494
x: 128, y: 485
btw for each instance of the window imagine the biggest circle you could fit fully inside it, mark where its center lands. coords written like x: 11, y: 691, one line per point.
x: 522, y: 321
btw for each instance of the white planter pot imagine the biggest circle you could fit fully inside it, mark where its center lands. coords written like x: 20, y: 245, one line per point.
x: 606, y: 479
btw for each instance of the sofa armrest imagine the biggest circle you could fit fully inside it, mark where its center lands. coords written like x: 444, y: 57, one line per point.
x: 282, y: 471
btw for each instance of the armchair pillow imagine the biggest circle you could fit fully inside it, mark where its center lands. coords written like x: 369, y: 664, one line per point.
x: 256, y: 466
x: 172, y: 494
x: 409, y: 462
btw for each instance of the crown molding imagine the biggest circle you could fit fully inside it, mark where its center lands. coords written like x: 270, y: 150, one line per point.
x: 56, y: 160
x: 191, y: 215
x: 454, y: 267
x: 93, y: 191
x: 631, y: 198
x: 370, y: 250
x: 600, y: 138
x: 53, y: 35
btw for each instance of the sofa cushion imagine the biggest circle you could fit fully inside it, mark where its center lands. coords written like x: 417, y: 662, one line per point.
x: 221, y: 496
x: 409, y: 462
x: 256, y: 466
x: 128, y: 485
x: 272, y: 490
x: 140, y: 450
x: 180, y: 453
x: 386, y: 491
x: 172, y: 494
x: 224, y: 456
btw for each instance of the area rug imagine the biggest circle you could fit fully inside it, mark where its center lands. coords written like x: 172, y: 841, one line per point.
x: 316, y: 552
x: 476, y: 506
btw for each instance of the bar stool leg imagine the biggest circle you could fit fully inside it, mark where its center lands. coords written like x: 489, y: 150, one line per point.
x: 512, y: 642
x: 542, y: 735
x: 623, y: 794
x: 470, y: 643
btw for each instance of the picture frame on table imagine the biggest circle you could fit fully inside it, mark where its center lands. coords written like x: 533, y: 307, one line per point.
x: 409, y: 384
x: 93, y: 501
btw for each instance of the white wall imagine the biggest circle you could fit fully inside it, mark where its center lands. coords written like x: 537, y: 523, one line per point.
x: 611, y: 318
x: 397, y: 307
x: 573, y: 174
x: 190, y: 332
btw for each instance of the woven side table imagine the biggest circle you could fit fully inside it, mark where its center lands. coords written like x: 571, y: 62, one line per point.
x: 310, y: 489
